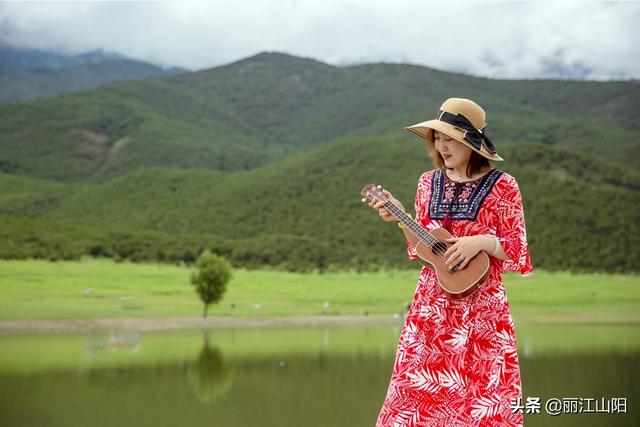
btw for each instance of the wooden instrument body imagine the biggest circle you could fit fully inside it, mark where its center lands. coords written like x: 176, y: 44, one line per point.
x: 455, y: 284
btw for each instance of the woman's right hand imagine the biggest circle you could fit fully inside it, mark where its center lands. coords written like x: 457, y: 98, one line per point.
x: 383, y: 212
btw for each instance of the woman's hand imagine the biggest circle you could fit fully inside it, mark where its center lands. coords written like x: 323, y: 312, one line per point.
x: 464, y: 248
x: 383, y: 212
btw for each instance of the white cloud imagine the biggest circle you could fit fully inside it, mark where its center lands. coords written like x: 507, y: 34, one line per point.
x: 593, y: 40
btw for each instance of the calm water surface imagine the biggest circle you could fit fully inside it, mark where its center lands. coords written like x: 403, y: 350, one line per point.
x: 280, y: 377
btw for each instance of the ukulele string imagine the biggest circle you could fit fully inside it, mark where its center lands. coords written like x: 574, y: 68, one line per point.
x: 436, y: 247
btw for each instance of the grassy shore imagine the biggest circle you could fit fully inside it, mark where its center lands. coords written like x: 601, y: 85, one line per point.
x: 58, y: 291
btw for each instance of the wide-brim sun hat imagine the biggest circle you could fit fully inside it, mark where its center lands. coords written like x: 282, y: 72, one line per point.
x: 463, y: 120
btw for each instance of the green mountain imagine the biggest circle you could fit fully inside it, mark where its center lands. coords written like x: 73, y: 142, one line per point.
x: 20, y: 58
x: 305, y: 211
x: 28, y: 73
x: 22, y: 84
x: 263, y: 108
x: 263, y: 160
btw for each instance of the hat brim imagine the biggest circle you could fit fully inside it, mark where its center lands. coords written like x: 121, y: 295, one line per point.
x: 425, y: 131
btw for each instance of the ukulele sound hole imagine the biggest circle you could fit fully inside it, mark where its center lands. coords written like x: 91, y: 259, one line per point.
x: 439, y: 248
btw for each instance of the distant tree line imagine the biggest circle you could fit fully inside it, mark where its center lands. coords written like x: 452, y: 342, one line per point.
x: 571, y: 251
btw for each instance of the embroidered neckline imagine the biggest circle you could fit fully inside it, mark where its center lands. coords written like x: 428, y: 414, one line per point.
x: 471, y: 195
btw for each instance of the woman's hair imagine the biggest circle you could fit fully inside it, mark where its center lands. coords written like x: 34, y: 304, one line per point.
x: 476, y: 161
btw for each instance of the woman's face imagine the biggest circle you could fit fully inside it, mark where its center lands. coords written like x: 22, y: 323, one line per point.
x: 455, y: 154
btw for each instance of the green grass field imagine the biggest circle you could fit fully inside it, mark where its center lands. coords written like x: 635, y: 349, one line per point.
x: 56, y: 290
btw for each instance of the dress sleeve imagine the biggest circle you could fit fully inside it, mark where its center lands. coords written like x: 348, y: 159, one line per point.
x: 411, y: 251
x: 422, y: 195
x: 511, y: 231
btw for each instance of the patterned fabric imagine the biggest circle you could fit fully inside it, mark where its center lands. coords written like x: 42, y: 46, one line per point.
x: 470, y: 199
x: 457, y: 362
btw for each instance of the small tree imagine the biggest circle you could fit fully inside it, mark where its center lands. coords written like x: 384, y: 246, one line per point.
x: 211, y: 278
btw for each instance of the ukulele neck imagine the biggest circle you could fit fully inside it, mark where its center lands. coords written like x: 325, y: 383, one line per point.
x: 419, y: 231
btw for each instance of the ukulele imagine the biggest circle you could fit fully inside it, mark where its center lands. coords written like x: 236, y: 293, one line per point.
x: 430, y: 247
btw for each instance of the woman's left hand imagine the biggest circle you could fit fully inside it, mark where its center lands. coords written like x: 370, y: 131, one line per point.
x: 464, y: 248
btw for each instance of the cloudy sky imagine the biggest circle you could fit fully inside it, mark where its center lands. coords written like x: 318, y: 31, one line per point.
x: 560, y: 39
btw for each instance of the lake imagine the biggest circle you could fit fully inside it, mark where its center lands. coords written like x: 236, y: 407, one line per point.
x: 334, y: 376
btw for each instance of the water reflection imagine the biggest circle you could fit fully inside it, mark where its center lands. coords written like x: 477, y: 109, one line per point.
x: 209, y: 376
x: 98, y: 342
x: 278, y: 377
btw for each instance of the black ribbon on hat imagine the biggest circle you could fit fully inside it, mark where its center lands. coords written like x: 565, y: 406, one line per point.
x: 472, y: 135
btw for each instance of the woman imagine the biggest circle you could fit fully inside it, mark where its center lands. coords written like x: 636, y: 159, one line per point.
x: 457, y: 361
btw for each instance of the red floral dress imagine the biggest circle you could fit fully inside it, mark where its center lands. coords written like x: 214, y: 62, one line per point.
x: 457, y: 362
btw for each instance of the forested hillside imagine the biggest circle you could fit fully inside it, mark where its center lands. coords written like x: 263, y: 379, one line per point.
x: 260, y: 109
x: 263, y: 160
x: 305, y: 212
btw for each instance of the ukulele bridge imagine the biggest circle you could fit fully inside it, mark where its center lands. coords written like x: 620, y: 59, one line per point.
x: 455, y: 267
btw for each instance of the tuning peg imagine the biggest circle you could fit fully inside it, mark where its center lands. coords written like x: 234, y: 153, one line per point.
x: 379, y: 187
x: 369, y: 203
x: 364, y: 199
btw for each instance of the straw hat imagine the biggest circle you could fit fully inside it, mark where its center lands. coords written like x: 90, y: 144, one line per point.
x: 464, y: 121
